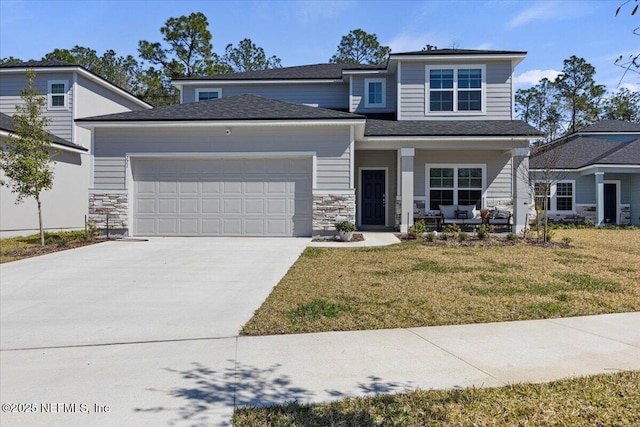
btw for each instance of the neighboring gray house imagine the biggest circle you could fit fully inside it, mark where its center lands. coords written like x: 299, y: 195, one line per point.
x: 594, y: 173
x: 72, y: 92
x: 286, y: 152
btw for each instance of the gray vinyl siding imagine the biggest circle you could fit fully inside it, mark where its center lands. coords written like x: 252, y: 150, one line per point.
x: 325, y: 95
x: 330, y: 143
x: 499, y: 178
x: 498, y: 92
x: 358, y: 97
x: 381, y: 159
x: 61, y: 121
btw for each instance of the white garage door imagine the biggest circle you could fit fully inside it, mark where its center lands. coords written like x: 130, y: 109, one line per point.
x: 222, y: 197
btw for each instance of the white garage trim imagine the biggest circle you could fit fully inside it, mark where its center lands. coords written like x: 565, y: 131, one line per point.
x: 130, y: 183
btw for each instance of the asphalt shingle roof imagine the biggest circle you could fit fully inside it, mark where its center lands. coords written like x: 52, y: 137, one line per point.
x: 449, y: 128
x: 242, y: 107
x: 38, y: 64
x: 575, y: 153
x: 302, y: 72
x: 612, y: 126
x: 7, y: 124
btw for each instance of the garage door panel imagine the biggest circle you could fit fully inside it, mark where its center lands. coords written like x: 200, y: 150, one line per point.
x: 146, y: 206
x: 189, y: 206
x: 254, y: 207
x: 211, y: 187
x: 168, y: 226
x: 232, y: 188
x: 232, y: 206
x: 165, y: 187
x: 167, y: 206
x: 232, y: 226
x: 222, y: 197
x: 189, y: 226
x: 211, y: 226
x: 210, y: 206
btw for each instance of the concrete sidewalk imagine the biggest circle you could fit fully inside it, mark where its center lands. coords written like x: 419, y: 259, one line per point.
x: 222, y: 373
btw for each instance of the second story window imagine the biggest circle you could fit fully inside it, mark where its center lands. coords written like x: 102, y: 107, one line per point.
x: 455, y: 89
x: 205, y: 94
x: 57, y: 95
x: 375, y: 93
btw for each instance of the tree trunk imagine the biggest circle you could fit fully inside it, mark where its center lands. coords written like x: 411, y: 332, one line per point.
x: 40, y: 220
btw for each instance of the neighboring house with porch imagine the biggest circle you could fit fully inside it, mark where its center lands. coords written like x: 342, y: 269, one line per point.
x: 72, y: 92
x: 286, y: 152
x: 594, y: 174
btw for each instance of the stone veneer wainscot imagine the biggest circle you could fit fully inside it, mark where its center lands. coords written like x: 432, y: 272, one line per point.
x: 115, y: 205
x: 330, y: 208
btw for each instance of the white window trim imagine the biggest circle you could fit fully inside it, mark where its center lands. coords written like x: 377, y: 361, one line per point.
x: 50, y: 95
x: 553, y: 196
x: 455, y: 188
x: 368, y: 104
x: 200, y: 90
x: 455, y: 68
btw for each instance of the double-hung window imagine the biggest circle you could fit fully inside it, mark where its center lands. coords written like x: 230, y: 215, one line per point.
x: 455, y: 185
x: 57, y: 94
x: 455, y: 89
x: 205, y: 94
x: 375, y: 93
x: 555, y: 197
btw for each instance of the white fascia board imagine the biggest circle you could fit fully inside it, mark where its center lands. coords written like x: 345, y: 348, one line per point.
x: 607, y: 133
x: 439, y: 143
x: 250, y: 82
x: 444, y: 138
x: 226, y: 123
x: 6, y: 134
x: 449, y: 58
x: 364, y: 72
x: 585, y: 170
x: 83, y: 73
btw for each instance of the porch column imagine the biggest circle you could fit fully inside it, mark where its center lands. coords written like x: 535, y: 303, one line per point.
x: 406, y: 164
x: 521, y: 196
x: 599, y: 199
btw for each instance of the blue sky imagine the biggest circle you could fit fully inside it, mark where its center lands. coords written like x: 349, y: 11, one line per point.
x: 307, y: 32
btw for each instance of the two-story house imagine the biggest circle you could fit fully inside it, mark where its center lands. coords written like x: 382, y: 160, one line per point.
x: 286, y: 152
x: 72, y: 92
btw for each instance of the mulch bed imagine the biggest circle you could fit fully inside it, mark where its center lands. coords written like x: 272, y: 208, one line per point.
x: 357, y: 237
x: 37, y: 250
x: 493, y: 241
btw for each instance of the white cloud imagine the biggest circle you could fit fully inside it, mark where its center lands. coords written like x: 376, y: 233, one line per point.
x: 533, y: 77
x: 633, y: 87
x: 543, y: 10
x: 484, y: 46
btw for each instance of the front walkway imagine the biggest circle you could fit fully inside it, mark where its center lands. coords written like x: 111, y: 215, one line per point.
x: 198, y: 382
x: 371, y: 239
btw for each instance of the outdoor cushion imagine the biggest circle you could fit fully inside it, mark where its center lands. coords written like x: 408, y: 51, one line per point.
x: 502, y: 214
x: 448, y: 211
x: 470, y: 209
x: 462, y: 214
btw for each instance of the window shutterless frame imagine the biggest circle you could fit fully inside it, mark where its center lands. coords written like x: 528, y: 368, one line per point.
x: 205, y: 94
x: 458, y: 90
x: 57, y: 96
x: 375, y: 93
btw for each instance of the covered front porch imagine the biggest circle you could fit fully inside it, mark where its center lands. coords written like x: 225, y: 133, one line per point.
x: 398, y: 182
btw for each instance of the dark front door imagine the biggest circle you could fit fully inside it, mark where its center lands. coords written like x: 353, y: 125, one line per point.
x: 373, y: 197
x: 610, y: 204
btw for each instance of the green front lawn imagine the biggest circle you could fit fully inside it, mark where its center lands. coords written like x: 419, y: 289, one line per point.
x: 600, y: 400
x: 412, y: 285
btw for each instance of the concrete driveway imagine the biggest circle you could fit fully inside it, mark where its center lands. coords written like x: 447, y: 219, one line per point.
x: 167, y: 303
x: 131, y: 291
